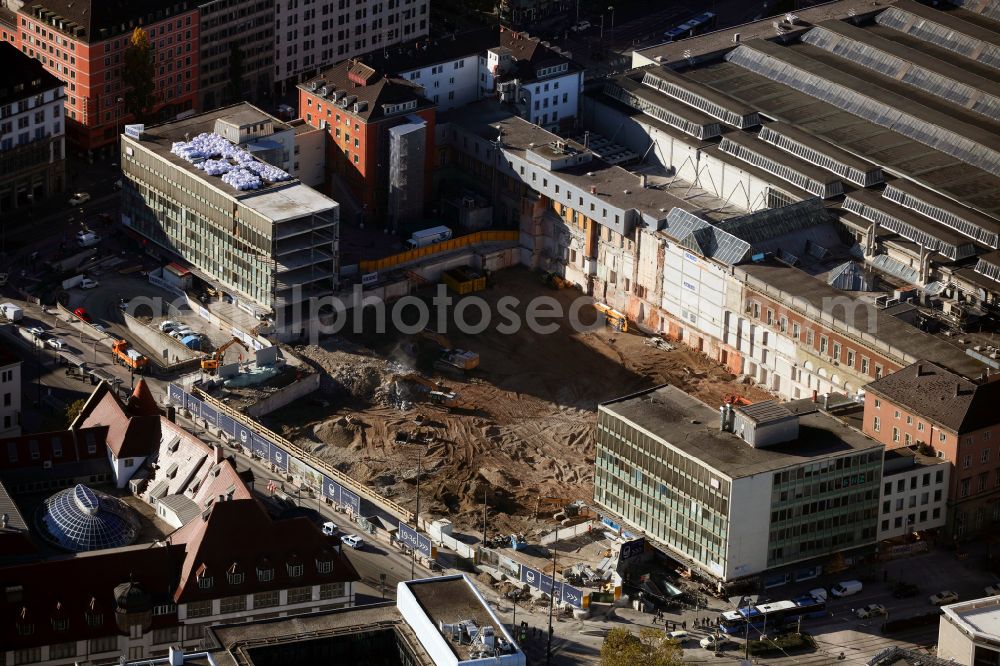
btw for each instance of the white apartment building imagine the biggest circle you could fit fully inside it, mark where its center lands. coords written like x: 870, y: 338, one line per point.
x: 914, y: 493
x: 542, y: 83
x: 312, y: 34
x: 10, y: 394
x: 32, y: 131
x: 969, y: 632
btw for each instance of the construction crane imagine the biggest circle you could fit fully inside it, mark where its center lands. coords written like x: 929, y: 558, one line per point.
x: 212, y: 363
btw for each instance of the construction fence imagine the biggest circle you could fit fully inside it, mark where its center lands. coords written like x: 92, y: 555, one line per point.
x: 385, y: 263
x: 282, y: 454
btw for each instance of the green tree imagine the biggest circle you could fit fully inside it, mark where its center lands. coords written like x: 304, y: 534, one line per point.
x: 74, y: 410
x: 137, y: 75
x: 650, y: 648
x: 234, y: 88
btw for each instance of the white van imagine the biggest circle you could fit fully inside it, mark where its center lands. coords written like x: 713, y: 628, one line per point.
x: 846, y: 588
x: 354, y: 541
x: 330, y: 529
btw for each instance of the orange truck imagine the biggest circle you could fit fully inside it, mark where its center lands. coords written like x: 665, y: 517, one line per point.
x: 128, y: 357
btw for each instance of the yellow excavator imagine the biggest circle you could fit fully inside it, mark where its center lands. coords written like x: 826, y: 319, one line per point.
x: 462, y: 359
x: 211, y: 364
x: 612, y: 317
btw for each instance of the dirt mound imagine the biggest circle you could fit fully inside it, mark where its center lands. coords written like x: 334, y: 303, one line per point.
x: 335, y: 432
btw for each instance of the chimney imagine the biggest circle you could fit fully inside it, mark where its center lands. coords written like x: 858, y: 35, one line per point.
x: 920, y: 369
x: 826, y: 401
x: 958, y: 389
x: 220, y: 455
x: 722, y: 417
x: 736, y: 38
x: 593, y: 189
x: 642, y: 180
x: 4, y: 519
x: 815, y: 395
x: 222, y: 498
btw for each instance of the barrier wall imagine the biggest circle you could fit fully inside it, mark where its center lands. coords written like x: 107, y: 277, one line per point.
x: 285, y: 456
x: 372, y: 265
x: 284, y: 396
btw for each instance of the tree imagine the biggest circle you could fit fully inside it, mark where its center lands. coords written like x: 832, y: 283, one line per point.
x: 137, y: 75
x: 650, y: 648
x: 74, y: 410
x: 234, y: 88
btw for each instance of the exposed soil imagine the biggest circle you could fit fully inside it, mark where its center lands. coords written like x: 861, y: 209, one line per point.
x: 520, y: 428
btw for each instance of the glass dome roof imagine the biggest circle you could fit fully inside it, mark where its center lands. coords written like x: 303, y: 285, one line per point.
x: 80, y: 519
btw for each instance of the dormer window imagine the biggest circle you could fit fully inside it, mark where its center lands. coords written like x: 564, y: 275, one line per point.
x: 324, y: 566
x: 205, y: 581
x: 265, y: 574
x: 92, y: 615
x: 60, y: 623
x: 25, y: 627
x: 295, y: 570
x: 233, y: 575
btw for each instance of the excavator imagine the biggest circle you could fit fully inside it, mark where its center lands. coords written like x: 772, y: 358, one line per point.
x: 457, y: 358
x: 437, y: 393
x: 211, y: 364
x: 612, y: 317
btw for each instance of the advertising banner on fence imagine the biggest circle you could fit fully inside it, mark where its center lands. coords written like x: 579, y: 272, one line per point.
x: 210, y: 414
x: 417, y: 541
x: 633, y: 548
x: 260, y: 446
x: 350, y: 500
x: 560, y: 592
x: 331, y: 489
x: 279, y: 458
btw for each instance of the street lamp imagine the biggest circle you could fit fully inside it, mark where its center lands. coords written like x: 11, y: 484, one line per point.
x: 612, y: 10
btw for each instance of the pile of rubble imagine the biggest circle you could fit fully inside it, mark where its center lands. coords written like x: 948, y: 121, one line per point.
x: 355, y: 372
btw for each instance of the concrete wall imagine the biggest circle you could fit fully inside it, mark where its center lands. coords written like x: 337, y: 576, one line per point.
x: 309, y: 161
x: 953, y: 644
x: 749, y: 520
x: 169, y: 351
x: 284, y: 396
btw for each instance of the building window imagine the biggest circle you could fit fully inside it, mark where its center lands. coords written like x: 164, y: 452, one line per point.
x: 265, y: 575
x: 331, y: 590
x: 895, y: 434
x: 266, y: 599
x: 298, y: 595
x: 864, y: 365
x: 233, y: 604
x: 985, y: 456
x: 166, y: 635
x: 295, y: 570
x: 199, y: 608
x: 964, y: 488
x: 968, y: 462
x: 104, y: 644
x: 875, y: 424
x: 850, y: 358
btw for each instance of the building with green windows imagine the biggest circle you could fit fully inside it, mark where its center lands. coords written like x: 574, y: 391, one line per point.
x: 217, y: 192
x: 767, y: 489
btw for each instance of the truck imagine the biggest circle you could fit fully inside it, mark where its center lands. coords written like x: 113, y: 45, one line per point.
x: 11, y: 312
x: 128, y: 357
x: 87, y: 239
x: 74, y: 281
x: 427, y: 237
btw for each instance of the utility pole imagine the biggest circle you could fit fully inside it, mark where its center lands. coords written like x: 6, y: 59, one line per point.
x: 552, y: 598
x: 485, y: 490
x: 416, y: 515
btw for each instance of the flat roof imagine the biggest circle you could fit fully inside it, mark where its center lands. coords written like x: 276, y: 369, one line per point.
x: 723, y: 40
x: 240, y: 639
x: 981, y: 617
x: 888, y: 333
x: 692, y: 427
x: 450, y: 600
x: 279, y: 201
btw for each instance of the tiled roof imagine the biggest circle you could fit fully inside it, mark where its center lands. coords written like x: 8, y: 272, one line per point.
x: 128, y: 437
x: 931, y: 392
x: 378, y: 91
x: 241, y: 533
x: 21, y: 70
x: 103, y: 19
x: 33, y: 591
x: 425, y: 52
x: 142, y: 402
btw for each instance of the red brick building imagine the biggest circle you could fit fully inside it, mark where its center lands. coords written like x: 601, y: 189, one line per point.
x: 83, y: 42
x: 959, y: 419
x: 358, y: 107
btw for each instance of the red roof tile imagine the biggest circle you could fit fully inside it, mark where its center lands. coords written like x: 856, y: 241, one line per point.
x: 241, y: 532
x: 127, y: 437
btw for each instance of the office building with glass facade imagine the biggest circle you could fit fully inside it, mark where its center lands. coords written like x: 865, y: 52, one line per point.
x: 214, y: 190
x: 743, y: 491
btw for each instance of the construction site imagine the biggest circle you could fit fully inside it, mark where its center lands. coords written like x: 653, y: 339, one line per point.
x: 515, y: 427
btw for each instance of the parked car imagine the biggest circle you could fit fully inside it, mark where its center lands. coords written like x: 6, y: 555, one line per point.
x: 846, y: 588
x: 82, y: 315
x: 871, y: 610
x: 903, y: 590
x: 714, y: 642
x: 101, y: 328
x: 582, y: 26
x: 36, y: 331
x: 330, y: 529
x: 943, y: 598
x: 354, y: 541
x: 167, y: 326
x: 79, y: 198
x: 55, y: 343
x: 87, y: 283
x: 818, y: 593
x: 680, y: 636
